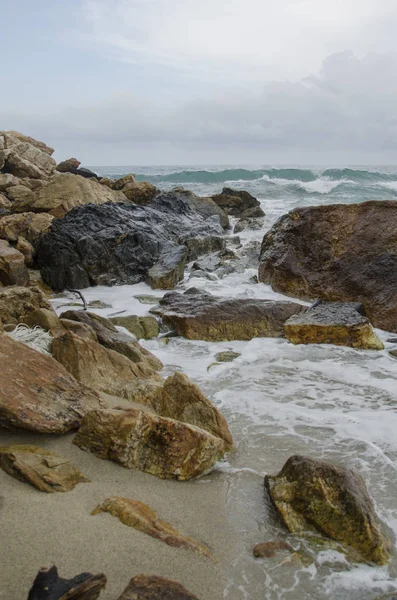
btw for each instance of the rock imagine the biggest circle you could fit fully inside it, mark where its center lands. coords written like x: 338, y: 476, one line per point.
x: 169, y: 269
x: 66, y: 191
x: 86, y: 173
x: 182, y: 400
x: 200, y: 316
x: 206, y: 207
x: 147, y: 299
x: 49, y: 586
x: 13, y: 270
x: 30, y: 226
x: 20, y: 193
x: 17, y: 302
x: 7, y: 180
x: 236, y: 202
x: 2, y: 151
x: 43, y: 317
x: 142, y: 518
x: 208, y: 264
x: 337, y: 323
x: 200, y: 245
x: 81, y: 329
x: 99, y: 368
x: 5, y: 204
x: 143, y: 587
x: 342, y: 252
x: 270, y: 549
x: 27, y: 159
x: 137, y: 439
x: 141, y: 327
x: 251, y: 224
x: 227, y: 356
x: 113, y: 339
x: 66, y: 165
x: 20, y: 137
x: 38, y: 393
x: 253, y: 213
x: 118, y: 184
x: 118, y: 243
x: 314, y: 495
x: 393, y: 353
x: 26, y: 248
x: 139, y: 192
x: 45, y: 470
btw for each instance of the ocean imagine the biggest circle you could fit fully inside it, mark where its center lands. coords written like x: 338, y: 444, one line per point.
x: 327, y: 402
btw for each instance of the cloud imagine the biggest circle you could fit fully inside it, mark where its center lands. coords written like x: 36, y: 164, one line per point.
x: 349, y: 106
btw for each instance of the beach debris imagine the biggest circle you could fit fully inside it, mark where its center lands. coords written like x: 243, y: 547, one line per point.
x: 45, y: 470
x: 142, y: 518
x: 143, y: 587
x: 49, y: 586
x: 312, y: 495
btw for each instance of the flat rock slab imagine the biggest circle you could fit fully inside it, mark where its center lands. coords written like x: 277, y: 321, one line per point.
x: 47, y: 471
x: 200, y: 316
x: 143, y: 587
x: 157, y: 445
x: 340, y: 252
x: 338, y: 323
x: 37, y: 393
x: 312, y: 495
x: 49, y: 586
x: 142, y: 518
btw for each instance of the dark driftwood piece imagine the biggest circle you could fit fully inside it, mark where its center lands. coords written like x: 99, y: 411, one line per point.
x: 49, y: 586
x: 80, y: 295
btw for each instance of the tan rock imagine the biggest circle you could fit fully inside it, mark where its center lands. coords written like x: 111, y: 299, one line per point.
x: 26, y: 248
x: 47, y: 471
x: 27, y: 139
x: 143, y: 587
x: 138, y: 439
x: 38, y: 393
x: 5, y: 204
x: 337, y: 323
x: 20, y: 193
x: 43, y: 317
x: 24, y: 159
x: 141, y: 327
x: 139, y: 192
x: 107, y: 181
x: 7, y: 180
x: 100, y: 368
x: 13, y: 270
x: 17, y: 302
x: 119, y: 184
x: 29, y: 225
x: 81, y: 329
x: 311, y: 495
x: 64, y: 192
x: 142, y: 518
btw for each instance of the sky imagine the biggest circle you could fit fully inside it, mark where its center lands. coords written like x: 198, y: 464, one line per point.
x: 201, y: 82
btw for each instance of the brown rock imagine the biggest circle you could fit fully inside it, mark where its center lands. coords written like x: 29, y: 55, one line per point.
x: 107, y: 181
x: 98, y: 367
x: 27, y: 159
x: 17, y: 302
x: 169, y: 269
x: 49, y: 586
x: 270, y: 549
x: 47, y: 471
x: 38, y: 393
x: 140, y: 516
x: 237, y: 202
x: 139, y: 192
x: 43, y: 317
x: 200, y: 316
x: 343, y: 252
x: 337, y: 323
x: 119, y: 184
x: 311, y: 495
x: 143, y: 587
x: 5, y: 204
x: 26, y: 248
x: 137, y: 439
x: 141, y: 327
x: 7, y: 180
x: 66, y: 165
x: 64, y: 192
x: 20, y: 193
x: 29, y: 225
x: 13, y: 270
x: 81, y: 329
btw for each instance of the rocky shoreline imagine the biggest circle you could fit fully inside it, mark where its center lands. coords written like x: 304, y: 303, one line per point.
x: 64, y: 228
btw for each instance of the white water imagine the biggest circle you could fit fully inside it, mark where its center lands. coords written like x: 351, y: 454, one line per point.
x: 326, y: 402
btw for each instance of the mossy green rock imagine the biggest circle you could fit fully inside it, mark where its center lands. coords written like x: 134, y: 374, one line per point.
x: 227, y: 356
x: 314, y: 495
x: 142, y: 327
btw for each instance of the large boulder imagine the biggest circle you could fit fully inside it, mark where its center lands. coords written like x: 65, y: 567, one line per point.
x: 38, y: 393
x: 17, y: 302
x: 29, y: 225
x: 138, y: 439
x: 312, y: 495
x: 144, y: 587
x: 200, y: 316
x: 64, y: 192
x: 344, y: 252
x: 237, y: 202
x: 13, y: 270
x: 206, y: 207
x: 339, y: 323
x: 43, y: 469
x: 25, y: 157
x: 119, y: 243
x: 26, y: 139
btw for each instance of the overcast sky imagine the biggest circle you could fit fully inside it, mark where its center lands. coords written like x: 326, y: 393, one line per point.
x: 134, y: 82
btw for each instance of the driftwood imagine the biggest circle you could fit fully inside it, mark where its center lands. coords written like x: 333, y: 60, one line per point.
x: 49, y: 586
x: 80, y: 295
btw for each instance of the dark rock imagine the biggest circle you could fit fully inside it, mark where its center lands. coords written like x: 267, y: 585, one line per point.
x: 311, y: 495
x: 248, y: 223
x: 86, y: 173
x: 120, y: 243
x: 199, y: 316
x: 237, y: 202
x: 344, y: 252
x: 205, y: 207
x: 49, y: 586
x: 143, y: 587
x: 252, y: 213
